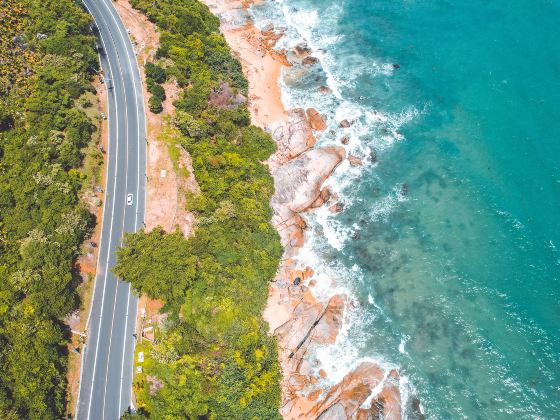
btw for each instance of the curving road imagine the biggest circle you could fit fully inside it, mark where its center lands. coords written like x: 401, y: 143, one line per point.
x: 107, y: 363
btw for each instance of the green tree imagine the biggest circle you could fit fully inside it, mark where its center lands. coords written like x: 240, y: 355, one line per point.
x: 155, y: 105
x: 157, y: 264
x: 158, y: 91
x: 42, y: 223
x: 155, y: 72
x: 213, y: 357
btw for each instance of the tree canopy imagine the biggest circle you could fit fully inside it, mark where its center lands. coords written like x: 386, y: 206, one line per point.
x: 47, y: 59
x: 213, y: 355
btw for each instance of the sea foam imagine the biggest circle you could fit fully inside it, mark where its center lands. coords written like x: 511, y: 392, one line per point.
x: 371, y: 131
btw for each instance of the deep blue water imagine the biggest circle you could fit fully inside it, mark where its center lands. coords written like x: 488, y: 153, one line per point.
x: 461, y: 266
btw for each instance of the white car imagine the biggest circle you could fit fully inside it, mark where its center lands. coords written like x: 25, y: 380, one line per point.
x: 129, y: 200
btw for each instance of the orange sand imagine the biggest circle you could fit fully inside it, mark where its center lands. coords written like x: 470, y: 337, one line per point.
x: 261, y: 65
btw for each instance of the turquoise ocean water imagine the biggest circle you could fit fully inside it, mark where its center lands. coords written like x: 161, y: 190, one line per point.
x: 457, y: 265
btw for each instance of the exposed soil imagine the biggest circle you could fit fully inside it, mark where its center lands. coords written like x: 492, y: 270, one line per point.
x: 168, y: 180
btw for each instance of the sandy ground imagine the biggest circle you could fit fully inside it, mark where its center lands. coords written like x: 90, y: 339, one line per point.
x: 261, y: 66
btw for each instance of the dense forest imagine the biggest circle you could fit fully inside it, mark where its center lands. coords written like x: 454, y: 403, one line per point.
x: 212, y: 357
x: 47, y: 59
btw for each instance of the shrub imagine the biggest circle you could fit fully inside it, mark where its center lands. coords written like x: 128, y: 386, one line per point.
x: 158, y: 91
x: 155, y: 72
x: 155, y: 105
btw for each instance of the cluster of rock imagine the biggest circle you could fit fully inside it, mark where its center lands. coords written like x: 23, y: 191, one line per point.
x: 297, y: 319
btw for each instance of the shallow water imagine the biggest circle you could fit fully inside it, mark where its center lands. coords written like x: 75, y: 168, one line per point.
x: 457, y: 268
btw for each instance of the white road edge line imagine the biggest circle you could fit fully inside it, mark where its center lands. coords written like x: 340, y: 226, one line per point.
x: 136, y: 78
x: 110, y: 229
x: 124, y: 215
x: 100, y: 242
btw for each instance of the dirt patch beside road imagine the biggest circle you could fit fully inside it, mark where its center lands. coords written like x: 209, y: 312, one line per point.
x: 169, y: 170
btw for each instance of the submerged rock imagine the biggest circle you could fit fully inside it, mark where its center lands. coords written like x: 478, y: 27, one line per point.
x: 373, y: 156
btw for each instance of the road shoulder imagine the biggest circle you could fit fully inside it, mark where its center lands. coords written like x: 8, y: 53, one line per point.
x: 94, y: 167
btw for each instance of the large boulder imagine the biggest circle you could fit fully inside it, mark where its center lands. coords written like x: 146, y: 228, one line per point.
x: 326, y: 330
x: 293, y: 136
x: 316, y: 120
x: 298, y: 182
x: 346, y: 397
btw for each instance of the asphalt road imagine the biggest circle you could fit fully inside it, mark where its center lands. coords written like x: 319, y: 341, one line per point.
x: 107, y: 363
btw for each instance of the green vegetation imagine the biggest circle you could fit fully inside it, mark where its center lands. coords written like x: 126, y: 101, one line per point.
x: 47, y: 59
x: 155, y: 104
x: 212, y: 355
x: 154, y: 76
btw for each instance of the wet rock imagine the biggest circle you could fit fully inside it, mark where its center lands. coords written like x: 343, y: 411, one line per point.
x: 345, y: 398
x: 345, y: 123
x: 416, y: 409
x: 345, y: 140
x: 396, y: 66
x: 296, y: 238
x: 356, y: 236
x: 389, y: 399
x: 336, y: 208
x: 316, y: 121
x: 354, y: 161
x: 309, y: 61
x: 374, y: 412
x: 324, y: 90
x: 268, y: 28
x: 324, y: 196
x: 302, y: 50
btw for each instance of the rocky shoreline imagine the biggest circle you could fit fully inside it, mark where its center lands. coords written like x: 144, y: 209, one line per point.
x: 299, y: 320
